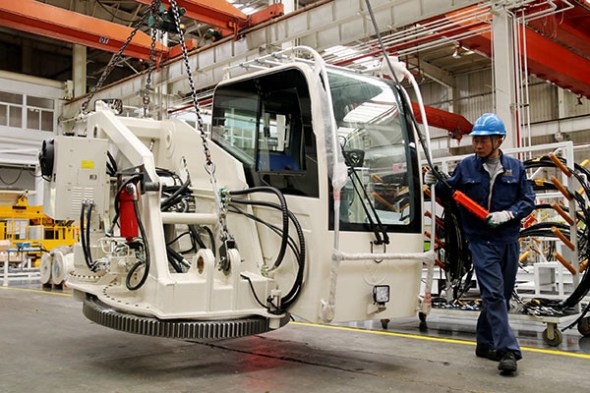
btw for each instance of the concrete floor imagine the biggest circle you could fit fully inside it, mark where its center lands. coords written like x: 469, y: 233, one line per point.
x: 46, y: 345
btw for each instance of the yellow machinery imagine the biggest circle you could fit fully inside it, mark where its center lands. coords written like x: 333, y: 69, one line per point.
x: 31, y: 231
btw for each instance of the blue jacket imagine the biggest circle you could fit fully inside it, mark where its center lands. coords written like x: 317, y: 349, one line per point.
x: 511, y: 191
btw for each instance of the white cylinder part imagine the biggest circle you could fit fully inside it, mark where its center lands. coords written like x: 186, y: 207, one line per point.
x: 45, y: 268
x: 63, y: 265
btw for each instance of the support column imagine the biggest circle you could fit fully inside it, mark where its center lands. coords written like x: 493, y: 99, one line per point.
x: 79, y: 69
x: 27, y: 58
x: 504, y: 74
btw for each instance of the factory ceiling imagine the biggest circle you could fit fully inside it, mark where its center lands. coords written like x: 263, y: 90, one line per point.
x: 437, y: 49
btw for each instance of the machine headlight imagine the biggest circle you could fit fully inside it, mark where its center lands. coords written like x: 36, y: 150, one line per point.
x: 381, y: 294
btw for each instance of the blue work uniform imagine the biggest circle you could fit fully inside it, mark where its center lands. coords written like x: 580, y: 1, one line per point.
x: 495, y: 251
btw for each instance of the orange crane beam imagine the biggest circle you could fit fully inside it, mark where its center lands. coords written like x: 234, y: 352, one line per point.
x: 455, y: 124
x: 547, y: 58
x: 49, y: 21
x: 221, y: 14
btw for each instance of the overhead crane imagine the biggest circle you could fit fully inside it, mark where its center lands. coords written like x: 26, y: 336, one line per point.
x: 46, y: 20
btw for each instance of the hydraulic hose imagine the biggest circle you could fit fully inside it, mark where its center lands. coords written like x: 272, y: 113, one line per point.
x: 85, y: 235
x: 146, y: 249
x: 300, y: 254
x: 284, y: 212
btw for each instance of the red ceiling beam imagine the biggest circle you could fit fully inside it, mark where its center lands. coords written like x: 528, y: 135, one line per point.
x: 49, y: 21
x: 220, y: 14
x: 455, y: 124
x: 551, y: 61
x: 571, y: 28
x: 224, y: 16
x: 546, y: 58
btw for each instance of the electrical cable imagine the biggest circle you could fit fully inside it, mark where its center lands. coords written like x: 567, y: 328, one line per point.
x: 253, y: 290
x: 10, y: 183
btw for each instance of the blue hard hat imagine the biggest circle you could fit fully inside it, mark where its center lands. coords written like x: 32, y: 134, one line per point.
x: 488, y: 124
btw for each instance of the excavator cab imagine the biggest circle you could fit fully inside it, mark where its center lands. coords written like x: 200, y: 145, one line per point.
x: 266, y: 123
x: 307, y: 202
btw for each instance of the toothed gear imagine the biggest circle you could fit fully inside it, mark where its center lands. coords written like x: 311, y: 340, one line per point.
x: 98, y: 312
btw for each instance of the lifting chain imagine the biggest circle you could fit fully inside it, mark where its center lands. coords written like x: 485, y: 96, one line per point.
x: 209, y: 165
x: 115, y: 60
x: 148, y: 84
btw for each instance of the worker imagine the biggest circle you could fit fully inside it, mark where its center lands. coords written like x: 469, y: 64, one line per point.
x: 498, y: 183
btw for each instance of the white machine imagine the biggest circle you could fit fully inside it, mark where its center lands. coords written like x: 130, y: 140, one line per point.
x: 307, y: 202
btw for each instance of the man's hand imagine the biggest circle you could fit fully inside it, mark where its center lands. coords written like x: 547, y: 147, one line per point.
x: 429, y: 178
x: 498, y: 218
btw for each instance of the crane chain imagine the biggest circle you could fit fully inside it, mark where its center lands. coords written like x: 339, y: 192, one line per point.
x: 148, y: 84
x: 209, y: 165
x: 114, y: 60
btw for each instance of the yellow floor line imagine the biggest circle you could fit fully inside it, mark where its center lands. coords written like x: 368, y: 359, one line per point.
x: 439, y: 339
x: 38, y: 291
x: 381, y: 332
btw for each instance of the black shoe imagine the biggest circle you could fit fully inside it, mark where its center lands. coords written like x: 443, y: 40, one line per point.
x: 486, y: 352
x: 507, y: 362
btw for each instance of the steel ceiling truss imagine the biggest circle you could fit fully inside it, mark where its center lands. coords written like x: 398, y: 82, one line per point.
x: 320, y: 25
x: 547, y: 57
x: 46, y: 20
x: 55, y: 22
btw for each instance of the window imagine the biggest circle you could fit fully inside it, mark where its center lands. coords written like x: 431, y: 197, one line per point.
x: 38, y: 111
x: 11, y: 109
x: 3, y: 114
x: 266, y: 124
x: 11, y: 98
x: 15, y: 117
x: 379, y: 151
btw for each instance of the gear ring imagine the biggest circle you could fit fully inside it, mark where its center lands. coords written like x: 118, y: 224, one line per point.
x: 98, y: 312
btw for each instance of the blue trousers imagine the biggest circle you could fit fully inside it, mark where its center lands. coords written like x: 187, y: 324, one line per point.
x: 495, y: 266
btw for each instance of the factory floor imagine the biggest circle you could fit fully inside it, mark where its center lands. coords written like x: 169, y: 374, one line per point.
x: 47, y: 345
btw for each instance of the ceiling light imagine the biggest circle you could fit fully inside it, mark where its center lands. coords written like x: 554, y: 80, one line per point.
x: 457, y: 53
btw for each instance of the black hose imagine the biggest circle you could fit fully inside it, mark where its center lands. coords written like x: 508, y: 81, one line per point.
x: 146, y: 249
x: 175, y: 259
x: 284, y: 212
x: 581, y: 174
x: 173, y: 199
x: 196, y: 237
x: 295, y: 290
x: 84, y: 236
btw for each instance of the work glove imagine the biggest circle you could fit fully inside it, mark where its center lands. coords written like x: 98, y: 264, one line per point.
x: 429, y: 178
x: 498, y: 218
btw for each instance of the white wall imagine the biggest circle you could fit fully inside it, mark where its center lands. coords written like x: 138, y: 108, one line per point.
x: 29, y: 109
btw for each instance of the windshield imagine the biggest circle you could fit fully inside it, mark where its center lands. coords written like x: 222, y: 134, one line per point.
x: 379, y: 151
